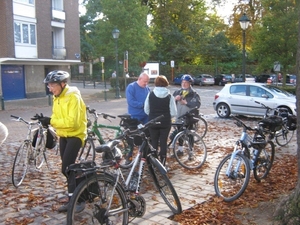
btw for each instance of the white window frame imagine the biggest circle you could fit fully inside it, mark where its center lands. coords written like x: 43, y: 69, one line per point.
x: 21, y: 35
x: 29, y: 2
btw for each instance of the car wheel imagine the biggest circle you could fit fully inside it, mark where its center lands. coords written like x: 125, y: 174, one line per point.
x: 223, y: 110
x: 200, y: 83
x: 220, y: 83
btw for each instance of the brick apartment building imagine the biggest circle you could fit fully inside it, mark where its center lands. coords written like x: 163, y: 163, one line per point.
x: 36, y: 36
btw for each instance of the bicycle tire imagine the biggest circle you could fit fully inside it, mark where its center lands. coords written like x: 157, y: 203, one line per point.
x: 264, y: 162
x: 164, y: 185
x: 232, y: 187
x: 201, y: 127
x: 40, y: 151
x: 87, y: 152
x: 194, y: 151
x: 284, y: 136
x: 95, y: 207
x: 20, y: 164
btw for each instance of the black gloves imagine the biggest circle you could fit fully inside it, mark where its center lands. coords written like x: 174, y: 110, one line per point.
x: 45, y: 121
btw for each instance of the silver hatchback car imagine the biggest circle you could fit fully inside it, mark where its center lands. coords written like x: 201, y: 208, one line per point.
x: 239, y: 98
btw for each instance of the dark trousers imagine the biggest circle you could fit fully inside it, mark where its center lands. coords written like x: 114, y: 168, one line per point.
x: 159, y: 136
x: 69, y: 148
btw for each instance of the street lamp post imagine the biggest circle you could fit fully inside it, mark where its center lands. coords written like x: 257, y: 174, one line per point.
x: 244, y: 22
x: 115, y: 34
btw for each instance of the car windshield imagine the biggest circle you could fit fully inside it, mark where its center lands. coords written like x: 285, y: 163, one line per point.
x: 207, y: 76
x: 277, y: 90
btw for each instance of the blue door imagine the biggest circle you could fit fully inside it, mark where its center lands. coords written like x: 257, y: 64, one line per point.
x: 13, y: 82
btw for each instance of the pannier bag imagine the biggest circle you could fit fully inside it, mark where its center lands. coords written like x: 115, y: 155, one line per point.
x: 130, y: 123
x: 77, y: 173
x: 50, y: 139
x: 190, y: 118
x: 271, y: 123
x: 292, y: 122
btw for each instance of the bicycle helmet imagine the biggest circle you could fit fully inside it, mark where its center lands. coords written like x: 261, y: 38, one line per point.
x: 56, y: 76
x: 188, y: 78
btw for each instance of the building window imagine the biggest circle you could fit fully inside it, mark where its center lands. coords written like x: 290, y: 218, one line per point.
x: 31, y: 2
x: 25, y: 33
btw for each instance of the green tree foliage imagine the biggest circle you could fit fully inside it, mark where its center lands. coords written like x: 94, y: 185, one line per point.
x: 275, y: 36
x: 184, y: 31
x: 130, y: 18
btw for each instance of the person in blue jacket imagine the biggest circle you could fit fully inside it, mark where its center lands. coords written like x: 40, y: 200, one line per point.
x: 136, y: 93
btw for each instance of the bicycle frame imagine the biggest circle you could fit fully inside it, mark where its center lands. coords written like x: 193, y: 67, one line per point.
x: 96, y: 127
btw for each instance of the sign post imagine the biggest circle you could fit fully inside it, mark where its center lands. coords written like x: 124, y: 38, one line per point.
x: 103, y: 78
x: 172, y: 66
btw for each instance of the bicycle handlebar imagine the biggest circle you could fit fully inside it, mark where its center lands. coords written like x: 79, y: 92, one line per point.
x: 268, y: 109
x: 141, y: 128
x: 240, y: 123
x: 187, y: 113
x: 20, y: 119
x: 104, y: 115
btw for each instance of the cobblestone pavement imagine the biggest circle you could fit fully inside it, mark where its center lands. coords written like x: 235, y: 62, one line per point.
x: 42, y: 192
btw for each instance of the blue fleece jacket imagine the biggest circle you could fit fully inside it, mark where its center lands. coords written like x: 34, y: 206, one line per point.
x: 136, y: 97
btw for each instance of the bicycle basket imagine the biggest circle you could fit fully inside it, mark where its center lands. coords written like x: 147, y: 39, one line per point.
x: 130, y: 123
x: 77, y: 173
x: 292, y: 122
x: 271, y: 123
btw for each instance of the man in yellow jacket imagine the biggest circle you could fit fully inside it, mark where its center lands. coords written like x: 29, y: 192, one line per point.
x: 69, y: 120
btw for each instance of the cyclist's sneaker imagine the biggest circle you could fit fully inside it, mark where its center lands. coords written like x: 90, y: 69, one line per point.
x: 63, y: 208
x: 79, y: 207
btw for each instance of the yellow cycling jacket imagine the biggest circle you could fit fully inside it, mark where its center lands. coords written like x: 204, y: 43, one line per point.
x: 69, y: 114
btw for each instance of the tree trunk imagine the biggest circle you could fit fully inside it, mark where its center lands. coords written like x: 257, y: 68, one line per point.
x: 288, y: 210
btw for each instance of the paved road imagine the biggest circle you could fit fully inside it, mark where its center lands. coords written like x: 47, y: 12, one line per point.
x: 42, y: 192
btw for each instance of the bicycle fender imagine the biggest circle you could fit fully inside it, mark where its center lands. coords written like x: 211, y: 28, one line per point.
x: 158, y: 164
x: 173, y: 141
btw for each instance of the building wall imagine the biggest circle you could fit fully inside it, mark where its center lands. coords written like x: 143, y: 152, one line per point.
x: 6, y: 30
x: 72, y: 32
x: 44, y: 29
x: 36, y: 70
x: 34, y: 84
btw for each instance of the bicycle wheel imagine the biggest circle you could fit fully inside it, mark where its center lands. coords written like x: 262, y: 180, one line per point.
x: 264, y: 161
x: 284, y: 136
x: 231, y: 186
x: 105, y: 203
x: 21, y: 164
x: 87, y: 152
x: 189, y: 150
x: 201, y: 127
x: 40, y: 151
x: 164, y: 185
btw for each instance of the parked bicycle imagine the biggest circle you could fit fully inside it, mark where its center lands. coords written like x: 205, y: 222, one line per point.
x: 32, y: 149
x: 114, y: 199
x: 284, y: 132
x: 251, y: 152
x: 188, y: 146
x: 87, y: 152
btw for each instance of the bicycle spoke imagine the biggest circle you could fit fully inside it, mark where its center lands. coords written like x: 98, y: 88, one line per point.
x: 20, y: 164
x: 264, y: 161
x: 231, y: 186
x: 194, y: 152
x: 104, y: 204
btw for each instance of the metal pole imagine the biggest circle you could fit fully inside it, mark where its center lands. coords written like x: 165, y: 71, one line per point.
x: 2, y: 103
x: 103, y: 78
x: 117, y: 72
x: 244, y: 56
